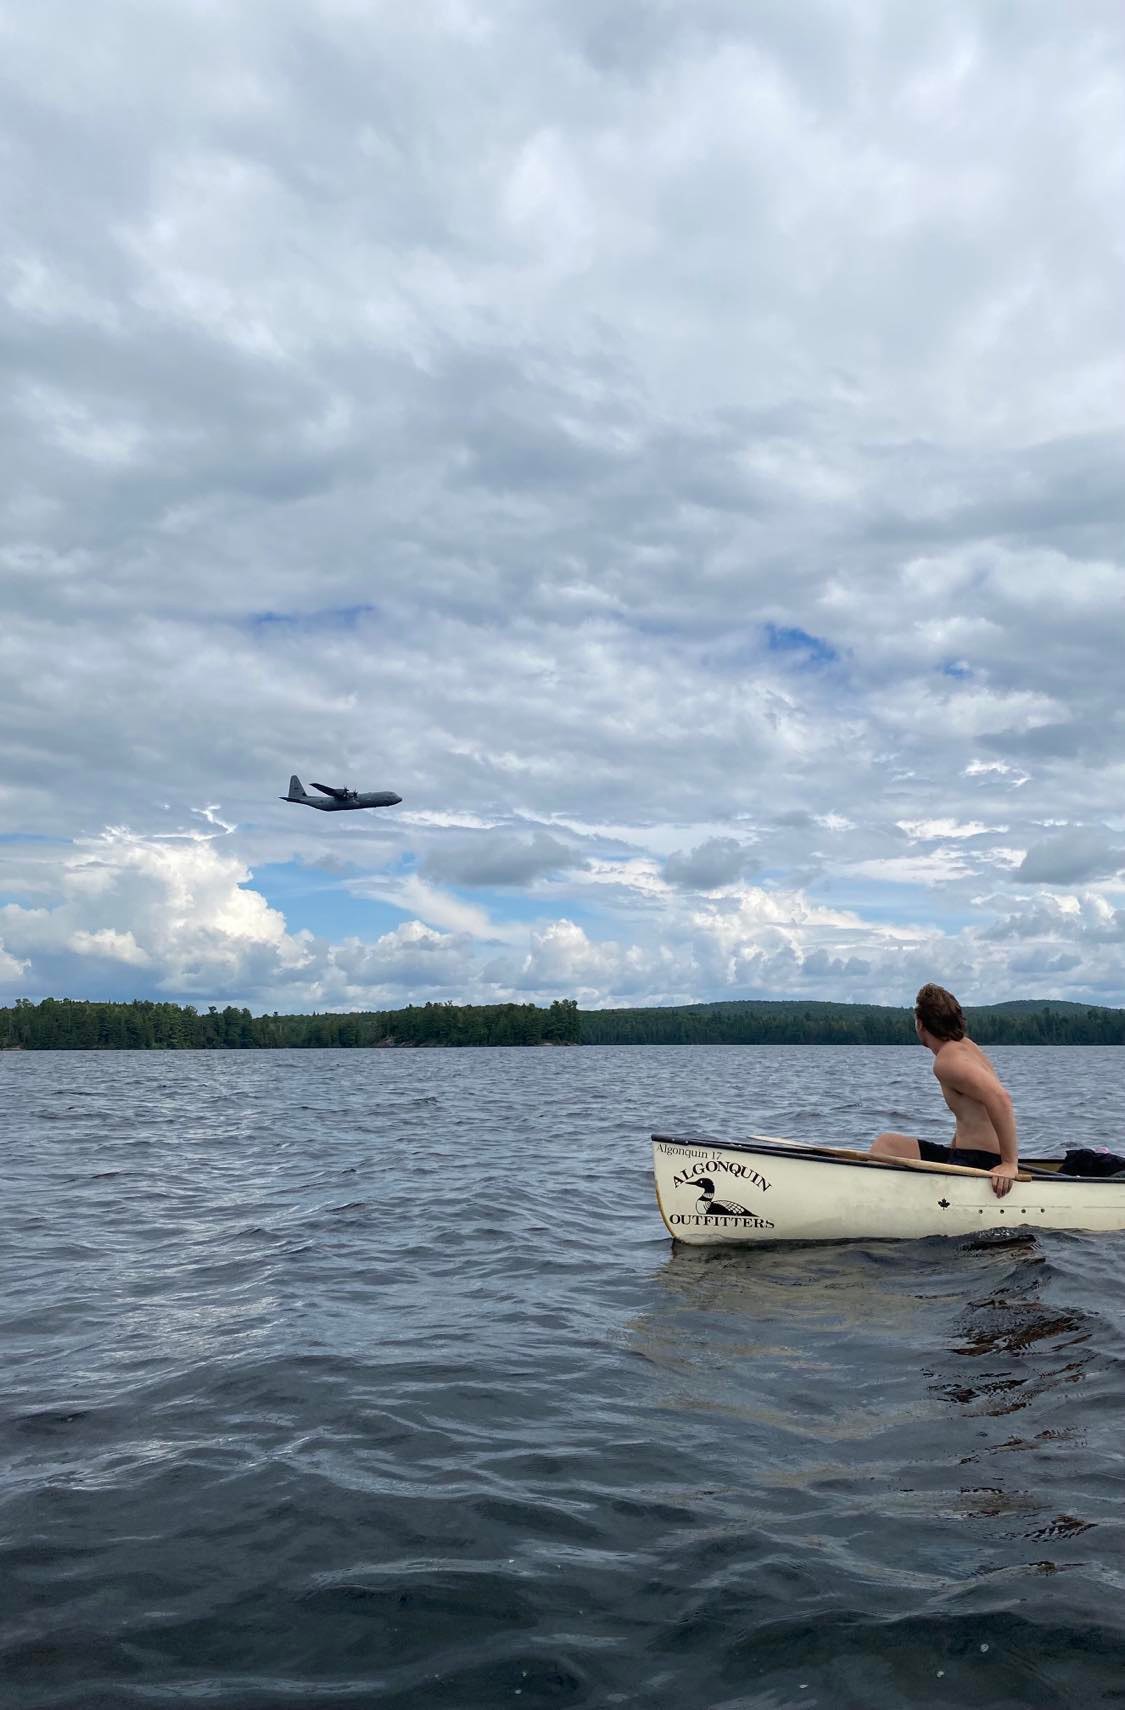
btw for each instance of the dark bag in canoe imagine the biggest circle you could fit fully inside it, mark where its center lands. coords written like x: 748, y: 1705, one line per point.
x: 1091, y: 1161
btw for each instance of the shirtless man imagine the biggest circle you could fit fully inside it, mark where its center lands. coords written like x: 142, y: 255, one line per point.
x: 984, y: 1135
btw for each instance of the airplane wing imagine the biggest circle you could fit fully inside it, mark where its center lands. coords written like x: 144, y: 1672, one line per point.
x: 329, y: 790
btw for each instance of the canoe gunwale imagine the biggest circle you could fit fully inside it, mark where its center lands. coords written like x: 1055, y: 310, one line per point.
x: 1048, y: 1170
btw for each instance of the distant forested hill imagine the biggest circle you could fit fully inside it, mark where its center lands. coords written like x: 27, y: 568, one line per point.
x: 66, y: 1024
x: 1021, y: 1022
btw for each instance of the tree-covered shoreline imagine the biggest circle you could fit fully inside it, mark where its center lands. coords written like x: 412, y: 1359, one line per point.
x: 68, y: 1024
x: 71, y: 1024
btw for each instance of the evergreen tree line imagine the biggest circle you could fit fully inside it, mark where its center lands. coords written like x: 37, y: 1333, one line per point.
x: 66, y: 1024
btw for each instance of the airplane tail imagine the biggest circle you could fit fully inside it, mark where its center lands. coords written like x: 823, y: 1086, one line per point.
x: 296, y: 790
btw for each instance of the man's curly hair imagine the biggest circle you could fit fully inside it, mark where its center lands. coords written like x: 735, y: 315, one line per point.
x: 940, y: 1013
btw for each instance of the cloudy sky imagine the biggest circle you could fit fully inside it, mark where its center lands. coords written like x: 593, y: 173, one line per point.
x: 677, y: 447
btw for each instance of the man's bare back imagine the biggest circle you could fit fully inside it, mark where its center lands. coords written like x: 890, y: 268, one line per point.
x: 984, y: 1122
x: 961, y: 1065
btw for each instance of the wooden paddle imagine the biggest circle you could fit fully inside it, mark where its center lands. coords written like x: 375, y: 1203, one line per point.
x: 867, y: 1158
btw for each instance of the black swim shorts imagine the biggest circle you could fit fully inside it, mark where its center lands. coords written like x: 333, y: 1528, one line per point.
x: 933, y: 1153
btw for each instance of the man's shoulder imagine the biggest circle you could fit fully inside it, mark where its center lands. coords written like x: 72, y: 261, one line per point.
x: 954, y: 1054
x: 962, y: 1059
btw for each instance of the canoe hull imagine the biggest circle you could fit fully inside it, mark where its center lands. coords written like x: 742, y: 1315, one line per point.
x: 750, y: 1192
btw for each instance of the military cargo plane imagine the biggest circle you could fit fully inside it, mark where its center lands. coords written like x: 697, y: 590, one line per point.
x: 339, y: 801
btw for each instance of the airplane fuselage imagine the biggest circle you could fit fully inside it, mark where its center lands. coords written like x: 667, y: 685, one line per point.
x: 336, y: 800
x: 371, y: 798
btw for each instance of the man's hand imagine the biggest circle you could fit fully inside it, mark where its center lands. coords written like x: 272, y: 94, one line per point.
x: 1003, y: 1175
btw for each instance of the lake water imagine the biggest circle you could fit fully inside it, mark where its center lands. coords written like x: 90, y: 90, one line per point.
x: 372, y: 1378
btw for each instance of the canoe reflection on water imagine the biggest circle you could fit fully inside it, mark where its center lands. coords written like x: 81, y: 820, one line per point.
x: 848, y: 1344
x: 900, y: 1459
x: 1009, y: 1341
x: 865, y: 1401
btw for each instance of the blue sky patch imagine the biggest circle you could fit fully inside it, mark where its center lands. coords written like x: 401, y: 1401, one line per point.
x: 808, y: 649
x: 313, y: 900
x: 30, y: 837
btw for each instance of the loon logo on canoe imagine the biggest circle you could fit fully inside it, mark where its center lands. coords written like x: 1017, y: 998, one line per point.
x: 715, y: 1213
x: 708, y: 1206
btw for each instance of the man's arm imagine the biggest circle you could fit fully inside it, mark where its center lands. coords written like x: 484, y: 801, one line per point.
x: 979, y: 1082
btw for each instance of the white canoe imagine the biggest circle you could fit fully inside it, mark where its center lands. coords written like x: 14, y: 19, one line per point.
x: 761, y: 1189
